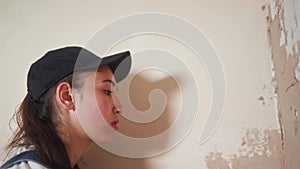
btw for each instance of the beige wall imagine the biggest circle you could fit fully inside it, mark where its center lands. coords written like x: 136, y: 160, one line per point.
x: 248, y: 135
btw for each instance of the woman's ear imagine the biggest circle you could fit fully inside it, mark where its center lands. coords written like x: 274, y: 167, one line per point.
x: 64, y: 96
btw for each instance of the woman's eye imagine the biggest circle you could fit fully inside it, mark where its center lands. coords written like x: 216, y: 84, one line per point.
x: 108, y: 92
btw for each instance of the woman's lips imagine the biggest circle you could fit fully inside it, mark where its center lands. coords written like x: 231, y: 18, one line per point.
x: 114, y: 124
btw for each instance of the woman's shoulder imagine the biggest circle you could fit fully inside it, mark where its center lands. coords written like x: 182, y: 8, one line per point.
x: 27, y: 164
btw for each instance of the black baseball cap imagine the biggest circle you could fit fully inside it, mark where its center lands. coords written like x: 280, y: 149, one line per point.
x: 59, y: 63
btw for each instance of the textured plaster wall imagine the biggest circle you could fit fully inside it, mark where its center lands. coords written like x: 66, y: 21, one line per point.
x: 270, y: 148
x: 284, y: 33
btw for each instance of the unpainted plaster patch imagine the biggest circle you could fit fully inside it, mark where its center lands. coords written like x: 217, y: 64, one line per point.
x: 262, y: 100
x: 259, y: 149
x: 285, y: 59
x: 267, y: 94
x: 289, y: 20
x: 282, y: 35
x: 297, y: 71
x: 273, y: 8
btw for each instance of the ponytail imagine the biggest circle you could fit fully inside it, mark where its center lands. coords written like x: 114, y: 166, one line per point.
x: 38, y: 125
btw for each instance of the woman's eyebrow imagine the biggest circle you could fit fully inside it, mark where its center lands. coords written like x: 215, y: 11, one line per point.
x: 109, y: 81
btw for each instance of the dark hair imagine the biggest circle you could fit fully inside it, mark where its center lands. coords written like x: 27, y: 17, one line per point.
x: 39, y: 125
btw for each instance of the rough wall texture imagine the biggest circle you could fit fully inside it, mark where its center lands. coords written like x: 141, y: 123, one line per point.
x: 272, y: 149
x: 259, y: 149
x: 284, y: 34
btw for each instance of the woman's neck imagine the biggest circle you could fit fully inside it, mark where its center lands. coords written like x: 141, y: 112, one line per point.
x: 77, y: 142
x: 76, y: 149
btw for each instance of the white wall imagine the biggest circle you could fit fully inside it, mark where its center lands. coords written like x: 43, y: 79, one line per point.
x: 237, y: 29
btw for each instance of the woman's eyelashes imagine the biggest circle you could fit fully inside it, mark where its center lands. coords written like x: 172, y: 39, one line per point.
x: 108, y: 92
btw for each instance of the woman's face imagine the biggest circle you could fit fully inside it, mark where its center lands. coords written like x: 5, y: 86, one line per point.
x: 97, y: 105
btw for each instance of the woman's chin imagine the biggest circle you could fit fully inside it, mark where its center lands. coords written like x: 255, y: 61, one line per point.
x: 105, y: 136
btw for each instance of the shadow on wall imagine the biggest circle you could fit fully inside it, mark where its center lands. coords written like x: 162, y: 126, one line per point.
x: 139, y: 91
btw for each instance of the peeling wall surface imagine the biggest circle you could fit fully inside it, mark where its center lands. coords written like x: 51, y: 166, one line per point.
x: 258, y: 149
x: 284, y: 34
x: 258, y: 47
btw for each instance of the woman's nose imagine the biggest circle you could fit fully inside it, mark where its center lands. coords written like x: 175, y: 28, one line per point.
x: 118, y: 106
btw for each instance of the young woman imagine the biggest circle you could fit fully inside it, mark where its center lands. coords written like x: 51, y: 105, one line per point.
x: 61, y: 85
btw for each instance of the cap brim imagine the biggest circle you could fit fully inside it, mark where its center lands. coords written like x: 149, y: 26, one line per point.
x: 119, y: 63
